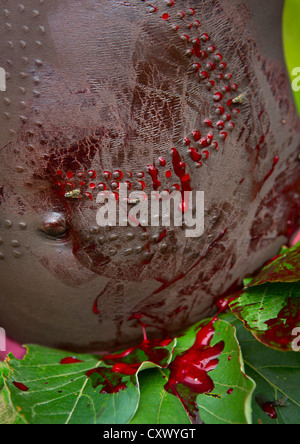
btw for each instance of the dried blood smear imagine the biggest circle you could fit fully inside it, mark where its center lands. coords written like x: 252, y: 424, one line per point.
x: 70, y: 360
x: 21, y: 386
x: 279, y: 334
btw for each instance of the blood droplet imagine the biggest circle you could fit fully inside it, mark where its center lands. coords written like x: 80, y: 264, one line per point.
x: 21, y: 386
x: 70, y: 360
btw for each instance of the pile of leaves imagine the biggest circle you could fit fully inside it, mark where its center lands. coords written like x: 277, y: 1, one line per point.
x: 241, y: 367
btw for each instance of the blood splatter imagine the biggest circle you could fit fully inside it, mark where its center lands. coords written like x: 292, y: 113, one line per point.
x: 110, y: 382
x: 180, y: 171
x: 154, y: 175
x: 189, y: 371
x: 130, y: 360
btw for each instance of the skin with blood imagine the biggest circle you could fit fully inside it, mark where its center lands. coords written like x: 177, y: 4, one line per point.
x: 143, y: 94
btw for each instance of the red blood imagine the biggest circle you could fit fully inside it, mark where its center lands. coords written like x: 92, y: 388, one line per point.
x: 162, y: 161
x: 92, y: 174
x: 95, y: 307
x: 269, y: 409
x: 168, y: 174
x: 107, y: 174
x: 211, y: 66
x: 162, y: 236
x: 204, y: 37
x: 128, y: 362
x: 220, y: 110
x: 197, y: 50
x: 208, y: 122
x: 70, y: 360
x: 206, y: 153
x: 196, y: 67
x: 189, y: 371
x: 185, y: 37
x: 218, y: 96
x: 275, y: 162
x: 180, y: 171
x: 69, y: 185
x: 21, y: 386
x: 223, y: 304
x: 204, y: 75
x: 165, y: 16
x: 196, y: 136
x: 203, y: 142
x: 126, y: 369
x: 224, y: 135
x: 142, y: 184
x: 259, y: 185
x: 110, y: 382
x: 195, y: 155
x: 279, y: 332
x: 191, y: 11
x: 154, y: 175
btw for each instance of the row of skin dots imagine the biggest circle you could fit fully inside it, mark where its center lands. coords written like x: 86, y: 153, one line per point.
x: 208, y: 64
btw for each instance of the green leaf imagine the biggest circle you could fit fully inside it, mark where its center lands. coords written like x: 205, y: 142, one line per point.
x: 7, y: 414
x: 277, y: 377
x: 63, y: 394
x: 271, y: 313
x: 291, y: 34
x: 44, y: 389
x: 157, y: 406
x: 285, y: 268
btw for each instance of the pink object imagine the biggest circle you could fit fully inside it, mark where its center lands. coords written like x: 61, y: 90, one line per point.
x: 297, y: 238
x: 13, y: 347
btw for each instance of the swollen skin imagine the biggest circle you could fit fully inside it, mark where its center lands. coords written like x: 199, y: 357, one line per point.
x: 162, y: 95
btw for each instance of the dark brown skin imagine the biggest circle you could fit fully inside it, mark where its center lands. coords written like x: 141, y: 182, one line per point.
x: 108, y: 86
